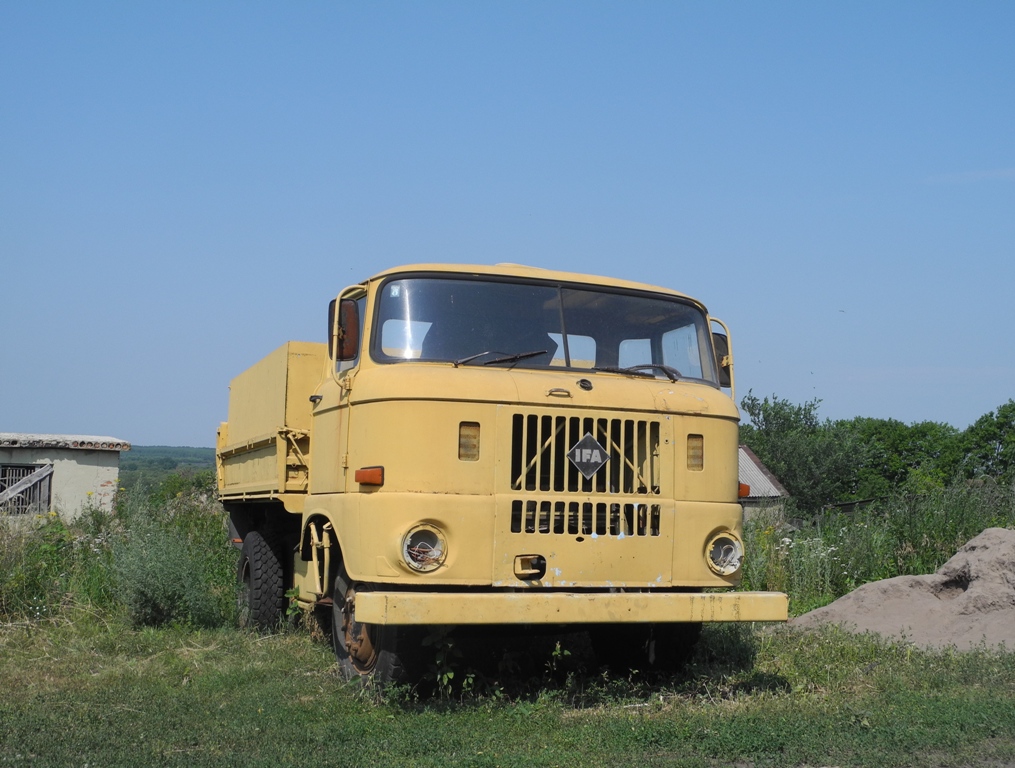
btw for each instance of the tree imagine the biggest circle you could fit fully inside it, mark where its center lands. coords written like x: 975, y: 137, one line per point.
x: 817, y: 462
x: 989, y: 445
x: 916, y: 457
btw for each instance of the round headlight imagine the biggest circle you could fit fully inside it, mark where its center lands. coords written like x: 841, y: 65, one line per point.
x: 725, y: 553
x: 424, y: 548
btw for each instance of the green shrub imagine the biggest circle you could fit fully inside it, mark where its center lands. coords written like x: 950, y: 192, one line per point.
x: 160, y: 580
x: 172, y: 560
x: 162, y: 557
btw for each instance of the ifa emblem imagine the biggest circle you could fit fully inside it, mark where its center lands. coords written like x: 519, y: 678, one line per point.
x: 588, y: 456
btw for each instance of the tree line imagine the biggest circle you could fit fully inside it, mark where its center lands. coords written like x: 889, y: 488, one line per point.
x: 154, y: 464
x: 825, y: 462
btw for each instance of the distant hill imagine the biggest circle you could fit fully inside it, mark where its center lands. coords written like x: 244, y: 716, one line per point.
x: 153, y: 463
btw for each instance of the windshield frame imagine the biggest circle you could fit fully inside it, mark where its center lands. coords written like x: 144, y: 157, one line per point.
x: 702, y: 324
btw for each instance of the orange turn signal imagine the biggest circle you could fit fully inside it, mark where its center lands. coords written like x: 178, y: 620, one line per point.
x: 745, y: 491
x: 370, y: 476
x: 696, y: 452
x: 468, y: 441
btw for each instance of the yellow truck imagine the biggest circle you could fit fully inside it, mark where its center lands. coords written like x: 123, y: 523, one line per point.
x: 493, y: 445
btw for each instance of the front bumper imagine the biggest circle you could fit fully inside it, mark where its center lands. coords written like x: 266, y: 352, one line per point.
x: 567, y: 607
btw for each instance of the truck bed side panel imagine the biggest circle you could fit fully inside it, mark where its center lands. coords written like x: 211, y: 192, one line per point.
x: 269, y: 414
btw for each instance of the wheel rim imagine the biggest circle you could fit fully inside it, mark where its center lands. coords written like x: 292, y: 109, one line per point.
x: 358, y: 637
x: 243, y: 598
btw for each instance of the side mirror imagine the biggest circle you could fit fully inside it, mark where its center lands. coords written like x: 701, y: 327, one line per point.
x: 347, y: 333
x: 332, y: 330
x: 723, y: 360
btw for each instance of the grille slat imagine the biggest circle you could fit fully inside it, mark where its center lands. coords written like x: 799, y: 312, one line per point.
x: 539, y: 446
x: 585, y: 518
x: 539, y: 465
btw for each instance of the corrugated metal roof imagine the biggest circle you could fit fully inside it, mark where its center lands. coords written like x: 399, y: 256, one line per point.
x: 764, y: 484
x: 77, y: 442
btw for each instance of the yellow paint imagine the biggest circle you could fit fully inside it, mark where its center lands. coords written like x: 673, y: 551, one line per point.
x: 567, y: 607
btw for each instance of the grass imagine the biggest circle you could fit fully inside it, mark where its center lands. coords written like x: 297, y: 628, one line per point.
x: 104, y: 693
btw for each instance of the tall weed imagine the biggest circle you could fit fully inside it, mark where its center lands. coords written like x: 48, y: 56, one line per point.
x: 36, y: 557
x: 160, y: 557
x: 172, y: 561
x: 824, y: 558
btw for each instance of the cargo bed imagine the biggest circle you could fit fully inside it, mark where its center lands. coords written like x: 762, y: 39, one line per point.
x: 263, y: 450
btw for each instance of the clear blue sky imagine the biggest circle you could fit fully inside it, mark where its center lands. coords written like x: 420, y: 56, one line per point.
x: 185, y: 185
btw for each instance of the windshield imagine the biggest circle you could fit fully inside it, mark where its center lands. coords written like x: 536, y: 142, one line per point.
x: 537, y: 325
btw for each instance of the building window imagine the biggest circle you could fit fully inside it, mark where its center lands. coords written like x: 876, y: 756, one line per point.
x: 25, y: 488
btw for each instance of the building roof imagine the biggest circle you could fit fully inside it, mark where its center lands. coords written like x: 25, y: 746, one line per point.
x: 764, y: 484
x: 78, y: 442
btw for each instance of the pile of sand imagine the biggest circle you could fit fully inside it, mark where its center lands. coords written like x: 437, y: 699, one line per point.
x: 969, y: 601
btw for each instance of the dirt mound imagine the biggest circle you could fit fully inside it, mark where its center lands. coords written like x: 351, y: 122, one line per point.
x: 970, y: 600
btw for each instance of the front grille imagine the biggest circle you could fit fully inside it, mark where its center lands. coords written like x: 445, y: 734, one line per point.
x: 539, y: 446
x: 584, y: 518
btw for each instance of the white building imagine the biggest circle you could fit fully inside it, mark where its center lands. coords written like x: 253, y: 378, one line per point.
x: 62, y: 473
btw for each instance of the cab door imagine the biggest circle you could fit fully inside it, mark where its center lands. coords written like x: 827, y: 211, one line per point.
x: 330, y: 403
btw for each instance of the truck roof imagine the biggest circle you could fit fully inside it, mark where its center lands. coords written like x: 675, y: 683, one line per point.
x: 535, y: 273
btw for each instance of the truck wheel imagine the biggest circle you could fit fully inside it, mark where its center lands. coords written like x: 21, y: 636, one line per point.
x: 379, y: 653
x: 260, y: 601
x: 647, y: 647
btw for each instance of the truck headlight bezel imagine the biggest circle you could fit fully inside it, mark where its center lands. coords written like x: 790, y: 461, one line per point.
x: 424, y: 548
x: 724, y: 553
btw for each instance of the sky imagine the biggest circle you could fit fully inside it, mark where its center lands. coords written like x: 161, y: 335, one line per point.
x: 185, y: 185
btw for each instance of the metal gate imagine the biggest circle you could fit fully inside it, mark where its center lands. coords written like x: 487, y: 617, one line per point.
x: 25, y: 488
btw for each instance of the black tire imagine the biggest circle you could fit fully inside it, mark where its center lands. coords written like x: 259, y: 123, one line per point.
x: 261, y: 601
x: 381, y: 654
x: 645, y: 647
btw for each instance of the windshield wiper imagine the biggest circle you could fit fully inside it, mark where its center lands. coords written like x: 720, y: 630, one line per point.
x: 515, y: 358
x: 504, y: 359
x: 617, y: 369
x: 641, y: 370
x: 470, y: 358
